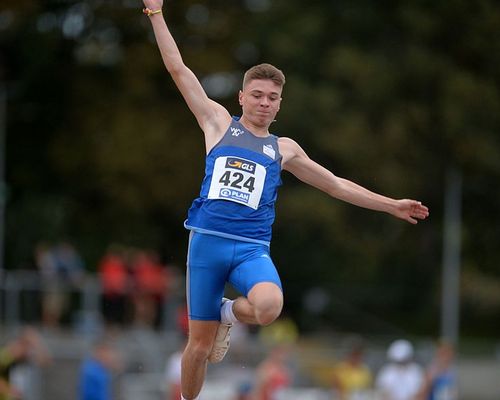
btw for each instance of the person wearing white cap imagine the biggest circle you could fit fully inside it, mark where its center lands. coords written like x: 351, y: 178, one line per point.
x: 401, y: 378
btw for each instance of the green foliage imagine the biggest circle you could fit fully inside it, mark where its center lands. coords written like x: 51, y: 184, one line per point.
x: 101, y: 147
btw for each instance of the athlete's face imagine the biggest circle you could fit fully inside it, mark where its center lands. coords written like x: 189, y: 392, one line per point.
x: 260, y: 101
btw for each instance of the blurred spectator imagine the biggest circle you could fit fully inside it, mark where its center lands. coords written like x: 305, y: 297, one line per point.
x: 401, y: 378
x: 282, y: 331
x: 114, y: 279
x: 61, y: 269
x: 96, y: 372
x: 70, y: 265
x: 352, y: 378
x: 52, y: 296
x: 173, y: 374
x: 441, y: 375
x: 272, y: 375
x: 244, y: 391
x: 150, y: 281
x: 26, y: 350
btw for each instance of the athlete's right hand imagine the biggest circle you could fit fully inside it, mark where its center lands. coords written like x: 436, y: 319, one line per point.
x: 153, y: 4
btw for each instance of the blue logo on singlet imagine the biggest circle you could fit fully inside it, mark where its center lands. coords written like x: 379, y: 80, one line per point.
x: 238, y: 163
x: 235, y: 195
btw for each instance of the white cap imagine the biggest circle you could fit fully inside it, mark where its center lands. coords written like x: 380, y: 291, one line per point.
x: 400, y: 350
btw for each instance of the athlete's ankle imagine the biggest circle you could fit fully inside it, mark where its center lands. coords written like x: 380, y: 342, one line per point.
x: 227, y: 314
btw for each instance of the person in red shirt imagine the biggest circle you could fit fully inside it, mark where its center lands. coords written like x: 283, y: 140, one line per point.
x: 114, y: 279
x: 150, y: 281
x: 272, y: 375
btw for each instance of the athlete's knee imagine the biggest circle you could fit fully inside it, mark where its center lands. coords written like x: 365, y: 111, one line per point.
x: 266, y: 299
x: 198, y: 351
x: 200, y: 342
x: 268, y: 310
x: 267, y: 316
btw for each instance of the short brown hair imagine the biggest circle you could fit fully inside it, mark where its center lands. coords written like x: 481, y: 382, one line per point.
x: 264, y: 71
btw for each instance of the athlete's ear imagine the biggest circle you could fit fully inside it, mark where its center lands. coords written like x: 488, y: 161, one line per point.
x: 240, y: 97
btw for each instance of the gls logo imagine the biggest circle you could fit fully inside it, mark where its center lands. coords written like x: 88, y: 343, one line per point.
x: 237, y: 131
x: 238, y: 163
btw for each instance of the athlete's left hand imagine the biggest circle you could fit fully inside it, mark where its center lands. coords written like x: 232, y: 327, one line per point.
x: 410, y: 210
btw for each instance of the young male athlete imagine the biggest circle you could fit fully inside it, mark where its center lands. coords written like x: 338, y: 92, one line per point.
x: 230, y: 222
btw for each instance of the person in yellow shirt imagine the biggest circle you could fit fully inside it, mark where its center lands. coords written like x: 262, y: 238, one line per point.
x: 351, y: 376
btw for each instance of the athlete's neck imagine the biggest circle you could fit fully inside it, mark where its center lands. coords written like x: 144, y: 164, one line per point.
x: 257, y: 130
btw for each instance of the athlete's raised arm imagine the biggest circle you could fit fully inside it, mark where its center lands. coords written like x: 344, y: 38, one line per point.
x: 296, y: 161
x: 211, y: 116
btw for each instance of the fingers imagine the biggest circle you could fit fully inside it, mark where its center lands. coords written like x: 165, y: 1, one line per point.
x: 419, y: 215
x: 423, y: 213
x: 411, y: 210
x: 419, y: 210
x: 416, y: 211
x: 423, y: 209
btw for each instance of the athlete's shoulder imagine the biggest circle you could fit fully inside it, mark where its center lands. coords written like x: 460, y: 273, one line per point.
x: 293, y: 155
x: 287, y: 142
x: 289, y: 148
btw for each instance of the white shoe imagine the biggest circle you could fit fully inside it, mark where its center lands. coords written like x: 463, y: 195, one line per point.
x: 221, y: 343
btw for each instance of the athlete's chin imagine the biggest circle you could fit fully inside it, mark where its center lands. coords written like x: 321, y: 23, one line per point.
x: 264, y: 118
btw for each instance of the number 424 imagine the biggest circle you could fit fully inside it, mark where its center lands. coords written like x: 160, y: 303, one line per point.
x: 235, y: 180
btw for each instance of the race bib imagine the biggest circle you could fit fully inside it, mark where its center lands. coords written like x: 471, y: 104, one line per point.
x: 239, y: 180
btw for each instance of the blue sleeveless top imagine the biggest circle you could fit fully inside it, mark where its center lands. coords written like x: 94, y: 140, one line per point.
x: 242, y: 176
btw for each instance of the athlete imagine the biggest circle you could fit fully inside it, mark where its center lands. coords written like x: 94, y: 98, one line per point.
x: 230, y: 222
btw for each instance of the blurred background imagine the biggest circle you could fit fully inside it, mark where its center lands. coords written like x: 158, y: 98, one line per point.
x: 100, y: 159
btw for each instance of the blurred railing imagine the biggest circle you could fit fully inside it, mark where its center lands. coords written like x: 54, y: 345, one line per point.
x: 21, y: 295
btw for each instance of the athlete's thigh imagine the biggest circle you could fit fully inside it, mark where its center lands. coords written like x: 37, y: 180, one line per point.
x: 255, y: 266
x: 207, y: 271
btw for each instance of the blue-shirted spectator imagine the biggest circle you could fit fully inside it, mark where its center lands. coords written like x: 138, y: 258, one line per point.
x: 96, y: 372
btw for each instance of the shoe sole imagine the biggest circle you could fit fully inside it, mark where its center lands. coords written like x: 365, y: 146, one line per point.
x: 221, y: 344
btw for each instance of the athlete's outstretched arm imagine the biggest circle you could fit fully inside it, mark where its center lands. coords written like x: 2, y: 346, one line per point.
x: 211, y: 116
x: 296, y: 161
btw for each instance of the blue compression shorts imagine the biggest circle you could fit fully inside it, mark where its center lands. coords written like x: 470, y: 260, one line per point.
x: 212, y: 261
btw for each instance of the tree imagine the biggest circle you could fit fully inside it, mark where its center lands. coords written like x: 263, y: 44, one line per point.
x: 101, y: 147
